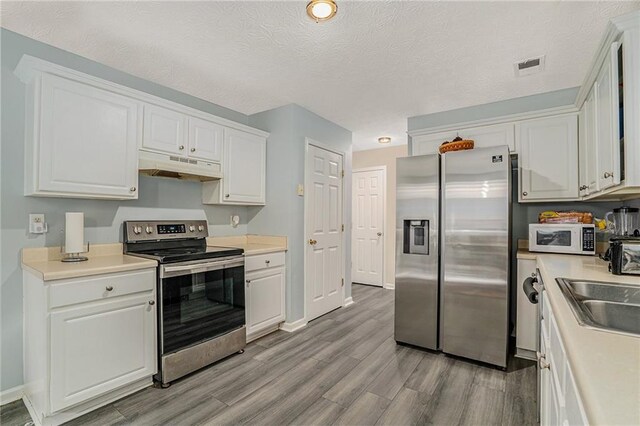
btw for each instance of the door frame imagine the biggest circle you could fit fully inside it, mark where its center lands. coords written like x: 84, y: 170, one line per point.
x: 311, y: 142
x: 382, y: 168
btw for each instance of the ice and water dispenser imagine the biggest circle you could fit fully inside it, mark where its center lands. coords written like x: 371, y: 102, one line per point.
x: 416, y: 236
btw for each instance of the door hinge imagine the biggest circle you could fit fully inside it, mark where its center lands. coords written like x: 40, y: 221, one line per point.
x: 343, y: 227
x: 343, y: 282
x: 343, y: 173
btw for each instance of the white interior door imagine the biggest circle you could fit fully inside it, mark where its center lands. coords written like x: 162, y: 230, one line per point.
x: 323, y: 224
x: 368, y: 226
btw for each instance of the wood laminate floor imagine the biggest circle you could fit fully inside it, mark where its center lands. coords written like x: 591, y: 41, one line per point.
x: 342, y: 369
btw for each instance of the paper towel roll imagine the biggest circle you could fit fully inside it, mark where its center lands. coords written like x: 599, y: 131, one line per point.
x: 74, y: 232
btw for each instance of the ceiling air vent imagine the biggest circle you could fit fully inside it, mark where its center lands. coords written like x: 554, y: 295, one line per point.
x: 529, y: 66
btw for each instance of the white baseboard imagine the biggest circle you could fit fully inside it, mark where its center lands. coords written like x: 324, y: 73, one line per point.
x: 389, y: 286
x: 11, y: 395
x: 290, y: 327
x: 348, y: 302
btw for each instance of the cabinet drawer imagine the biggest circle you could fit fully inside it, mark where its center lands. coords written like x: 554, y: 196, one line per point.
x: 262, y: 261
x: 100, y: 287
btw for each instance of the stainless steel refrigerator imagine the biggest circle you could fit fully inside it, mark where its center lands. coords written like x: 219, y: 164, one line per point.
x: 452, y: 253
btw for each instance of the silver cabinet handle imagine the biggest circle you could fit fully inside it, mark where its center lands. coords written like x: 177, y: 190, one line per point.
x: 151, y: 302
x: 193, y: 150
x: 379, y: 234
x: 524, y: 194
x: 583, y: 187
x: 132, y: 189
x: 109, y: 288
x: 607, y: 175
x: 181, y: 147
x: 267, y: 262
x: 226, y: 196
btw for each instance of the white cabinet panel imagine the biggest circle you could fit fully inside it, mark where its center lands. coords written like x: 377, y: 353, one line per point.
x: 88, y: 142
x: 527, y: 313
x: 608, y: 142
x: 483, y: 137
x: 548, y: 150
x: 244, y: 168
x: 264, y: 298
x: 96, y: 348
x: 588, y: 139
x: 164, y: 130
x: 205, y: 139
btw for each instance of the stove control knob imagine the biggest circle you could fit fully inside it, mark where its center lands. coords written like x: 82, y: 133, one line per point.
x: 200, y: 228
x: 149, y: 229
x: 192, y: 228
x: 137, y: 229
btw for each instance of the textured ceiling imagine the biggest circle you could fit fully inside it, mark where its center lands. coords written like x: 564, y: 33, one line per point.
x: 370, y: 68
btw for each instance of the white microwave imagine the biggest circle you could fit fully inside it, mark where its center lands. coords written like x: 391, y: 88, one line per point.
x: 569, y: 238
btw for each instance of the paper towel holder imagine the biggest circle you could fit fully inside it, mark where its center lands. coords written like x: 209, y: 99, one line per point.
x: 73, y: 257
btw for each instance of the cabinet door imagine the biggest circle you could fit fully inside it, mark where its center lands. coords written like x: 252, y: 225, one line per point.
x: 164, y: 130
x: 548, y: 150
x: 98, y: 347
x: 205, y: 139
x: 527, y: 313
x: 429, y: 144
x: 589, y: 142
x: 264, y: 298
x: 244, y: 168
x: 88, y: 144
x: 608, y: 134
x: 490, y: 136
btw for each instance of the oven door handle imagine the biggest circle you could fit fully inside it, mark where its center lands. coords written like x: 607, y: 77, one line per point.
x: 195, y: 268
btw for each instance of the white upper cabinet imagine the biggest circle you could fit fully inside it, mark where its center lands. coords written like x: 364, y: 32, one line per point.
x: 587, y: 147
x: 244, y: 168
x: 165, y: 130
x: 483, y: 137
x: 244, y: 171
x: 205, y: 140
x: 608, y: 139
x: 548, y: 151
x: 82, y: 141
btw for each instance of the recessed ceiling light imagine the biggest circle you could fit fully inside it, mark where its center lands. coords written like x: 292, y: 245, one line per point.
x: 384, y: 139
x: 322, y: 10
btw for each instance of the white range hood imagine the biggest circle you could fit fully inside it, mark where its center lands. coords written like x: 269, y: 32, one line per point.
x: 167, y: 165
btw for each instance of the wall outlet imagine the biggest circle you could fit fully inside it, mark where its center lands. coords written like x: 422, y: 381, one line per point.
x: 235, y: 220
x: 37, y: 225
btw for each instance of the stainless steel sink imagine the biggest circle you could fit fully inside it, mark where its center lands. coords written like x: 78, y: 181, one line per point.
x: 608, y: 306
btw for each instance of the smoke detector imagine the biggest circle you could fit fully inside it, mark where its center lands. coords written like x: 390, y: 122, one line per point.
x: 529, y: 66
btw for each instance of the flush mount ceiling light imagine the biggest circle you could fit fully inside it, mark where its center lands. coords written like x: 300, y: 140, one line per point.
x: 322, y: 10
x: 384, y: 139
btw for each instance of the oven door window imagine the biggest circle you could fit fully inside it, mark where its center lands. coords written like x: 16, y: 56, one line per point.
x: 553, y: 238
x: 200, y: 306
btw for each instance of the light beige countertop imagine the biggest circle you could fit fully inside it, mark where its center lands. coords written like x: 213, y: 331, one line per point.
x: 44, y: 262
x: 251, y: 244
x: 606, y: 365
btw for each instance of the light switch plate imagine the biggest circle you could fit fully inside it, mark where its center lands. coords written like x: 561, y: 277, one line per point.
x: 37, y: 224
x: 300, y: 189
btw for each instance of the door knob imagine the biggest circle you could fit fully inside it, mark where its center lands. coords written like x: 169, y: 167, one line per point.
x: 132, y: 189
x: 607, y: 175
x: 151, y: 302
x: 313, y: 242
x: 524, y: 194
x: 109, y: 288
x: 193, y: 150
x: 379, y: 234
x: 181, y: 147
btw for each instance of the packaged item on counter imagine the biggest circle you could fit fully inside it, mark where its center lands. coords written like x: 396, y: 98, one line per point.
x: 565, y: 217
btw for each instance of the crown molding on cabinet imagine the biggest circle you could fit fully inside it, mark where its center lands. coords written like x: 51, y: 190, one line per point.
x: 495, y: 120
x: 30, y: 67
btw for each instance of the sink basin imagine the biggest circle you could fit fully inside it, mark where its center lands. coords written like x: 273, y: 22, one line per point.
x: 608, y: 306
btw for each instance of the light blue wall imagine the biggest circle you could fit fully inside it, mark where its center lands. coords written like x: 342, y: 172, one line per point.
x: 520, y: 105
x: 159, y: 198
x: 289, y: 126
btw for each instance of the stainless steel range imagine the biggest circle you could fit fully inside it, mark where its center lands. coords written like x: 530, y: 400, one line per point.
x: 200, y: 291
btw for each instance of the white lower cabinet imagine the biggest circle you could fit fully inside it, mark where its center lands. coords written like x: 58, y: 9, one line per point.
x: 264, y: 293
x: 93, y: 340
x: 560, y: 402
